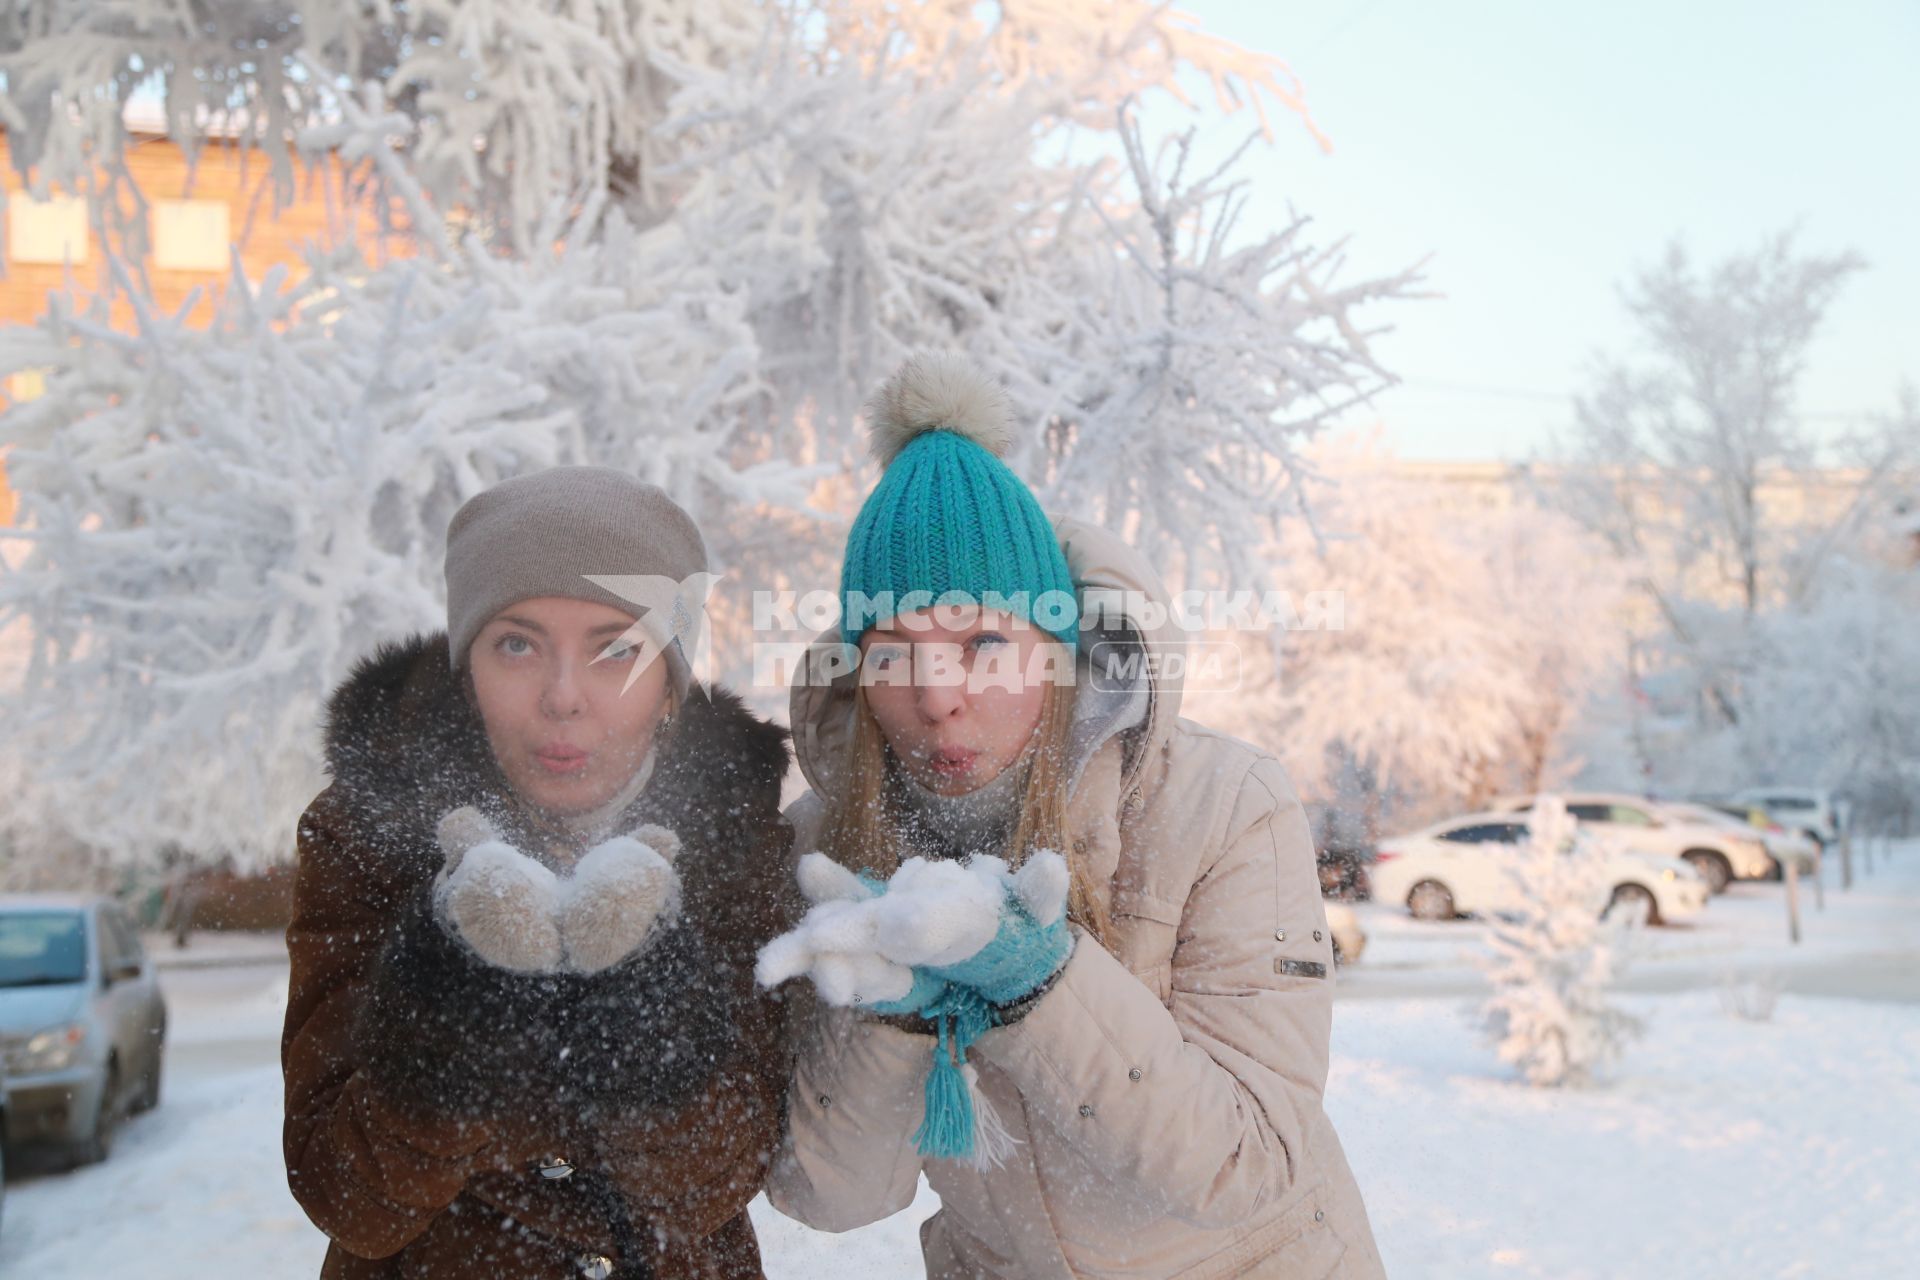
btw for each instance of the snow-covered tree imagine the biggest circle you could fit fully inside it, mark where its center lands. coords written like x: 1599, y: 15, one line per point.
x: 1812, y: 689
x: 1470, y: 641
x: 682, y: 238
x: 1177, y: 415
x: 1564, y: 600
x: 1676, y: 447
x: 1556, y: 956
x: 1421, y: 683
x: 1831, y: 687
x: 1695, y: 464
x: 225, y: 517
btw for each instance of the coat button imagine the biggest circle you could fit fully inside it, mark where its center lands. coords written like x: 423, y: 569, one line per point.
x: 553, y: 1169
x: 1134, y: 1074
x: 825, y: 1101
x: 1279, y: 935
x: 1086, y: 1110
x: 594, y: 1266
x: 1319, y: 1215
x: 1316, y: 935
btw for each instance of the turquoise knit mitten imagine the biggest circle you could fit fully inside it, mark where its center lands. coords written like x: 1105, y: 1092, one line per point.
x: 1021, y: 957
x: 927, y: 990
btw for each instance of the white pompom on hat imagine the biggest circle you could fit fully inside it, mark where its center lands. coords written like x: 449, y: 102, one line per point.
x: 939, y: 391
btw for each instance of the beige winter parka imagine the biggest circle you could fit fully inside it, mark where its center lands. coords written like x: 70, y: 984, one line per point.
x: 1166, y: 1093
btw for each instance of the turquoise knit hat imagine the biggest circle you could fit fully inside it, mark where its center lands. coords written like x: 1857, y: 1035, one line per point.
x: 949, y: 521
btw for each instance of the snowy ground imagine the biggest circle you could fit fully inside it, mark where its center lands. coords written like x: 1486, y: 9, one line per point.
x: 1721, y: 1148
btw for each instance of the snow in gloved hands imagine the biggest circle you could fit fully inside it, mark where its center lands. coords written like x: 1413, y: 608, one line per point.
x: 862, y: 938
x: 912, y: 945
x: 516, y: 913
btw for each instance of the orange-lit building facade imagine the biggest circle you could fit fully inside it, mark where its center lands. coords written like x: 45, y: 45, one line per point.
x: 197, y: 214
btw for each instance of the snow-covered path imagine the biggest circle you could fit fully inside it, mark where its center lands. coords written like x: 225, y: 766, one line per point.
x: 1724, y: 1149
x: 1720, y: 1149
x: 197, y: 1191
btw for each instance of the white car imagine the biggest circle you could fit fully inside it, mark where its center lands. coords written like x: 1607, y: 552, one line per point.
x: 1720, y: 854
x: 1815, y: 810
x: 1782, y: 846
x: 1460, y: 867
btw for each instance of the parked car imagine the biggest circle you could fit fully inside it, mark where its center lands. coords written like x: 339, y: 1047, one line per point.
x: 1719, y: 853
x: 1349, y: 939
x: 1460, y: 867
x: 1818, y: 811
x: 82, y: 1022
x: 1783, y: 846
x: 1751, y: 814
x: 3, y: 1145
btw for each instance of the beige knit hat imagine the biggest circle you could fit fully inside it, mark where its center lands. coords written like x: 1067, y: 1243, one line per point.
x: 541, y: 535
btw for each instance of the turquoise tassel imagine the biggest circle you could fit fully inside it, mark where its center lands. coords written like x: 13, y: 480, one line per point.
x: 951, y: 1127
x: 947, y: 1126
x: 946, y: 1130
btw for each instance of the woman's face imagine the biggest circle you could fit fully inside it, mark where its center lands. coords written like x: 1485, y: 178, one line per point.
x: 550, y: 675
x: 958, y: 692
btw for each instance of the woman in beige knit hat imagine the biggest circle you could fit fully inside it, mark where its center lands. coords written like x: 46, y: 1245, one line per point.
x: 522, y: 1037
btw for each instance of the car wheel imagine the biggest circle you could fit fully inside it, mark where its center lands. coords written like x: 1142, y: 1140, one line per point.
x: 149, y: 1085
x: 1430, y: 900
x: 98, y: 1145
x: 1712, y: 868
x: 1637, y: 901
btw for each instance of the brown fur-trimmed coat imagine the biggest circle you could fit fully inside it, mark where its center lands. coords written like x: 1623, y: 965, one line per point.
x: 425, y: 1088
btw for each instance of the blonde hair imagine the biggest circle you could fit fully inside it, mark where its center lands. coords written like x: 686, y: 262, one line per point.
x: 862, y: 830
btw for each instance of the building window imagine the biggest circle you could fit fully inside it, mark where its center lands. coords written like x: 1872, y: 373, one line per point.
x: 190, y: 235
x: 46, y: 232
x: 28, y: 384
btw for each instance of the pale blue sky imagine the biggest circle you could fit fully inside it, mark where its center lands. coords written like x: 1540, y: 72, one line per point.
x: 1540, y: 152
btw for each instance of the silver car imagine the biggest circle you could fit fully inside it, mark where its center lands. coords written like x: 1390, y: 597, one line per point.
x: 3, y: 1145
x: 1819, y: 812
x: 82, y: 1023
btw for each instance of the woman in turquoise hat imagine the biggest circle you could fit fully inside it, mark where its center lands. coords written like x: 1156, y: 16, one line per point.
x: 1067, y: 950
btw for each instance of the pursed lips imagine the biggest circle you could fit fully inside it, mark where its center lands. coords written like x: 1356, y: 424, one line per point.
x: 561, y: 758
x: 952, y: 760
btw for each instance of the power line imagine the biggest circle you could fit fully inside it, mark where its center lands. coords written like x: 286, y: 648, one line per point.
x: 1564, y: 397
x: 1340, y: 27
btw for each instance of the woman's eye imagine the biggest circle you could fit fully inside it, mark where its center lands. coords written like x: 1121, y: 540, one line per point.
x: 986, y: 640
x: 619, y: 651
x: 885, y: 658
x: 514, y: 646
